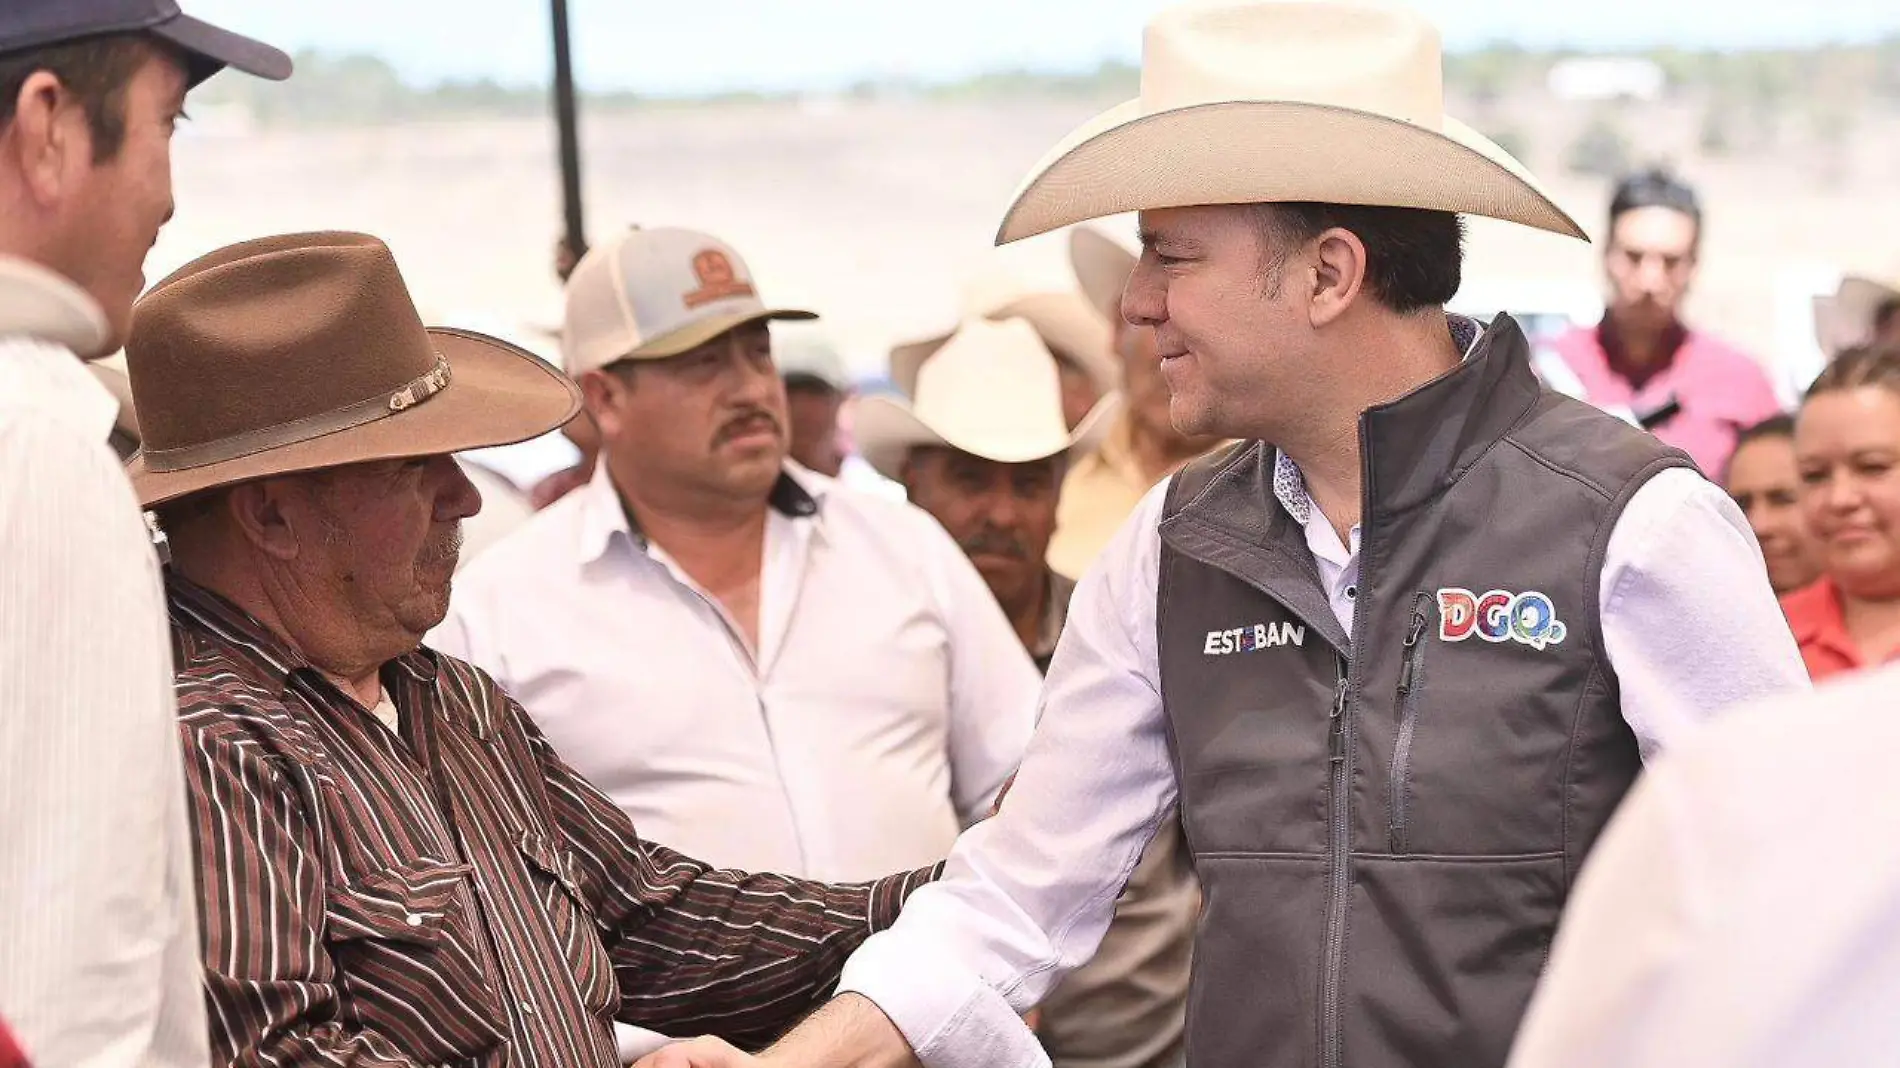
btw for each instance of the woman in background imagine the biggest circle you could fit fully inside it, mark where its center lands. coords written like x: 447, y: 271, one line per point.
x: 1766, y: 485
x: 1847, y: 449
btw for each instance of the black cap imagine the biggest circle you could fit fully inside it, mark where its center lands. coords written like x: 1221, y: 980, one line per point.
x: 30, y: 24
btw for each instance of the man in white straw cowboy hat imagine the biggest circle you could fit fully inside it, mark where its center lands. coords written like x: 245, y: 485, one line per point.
x: 989, y: 463
x: 1392, y: 659
x: 98, y: 926
x: 982, y: 447
x: 395, y: 866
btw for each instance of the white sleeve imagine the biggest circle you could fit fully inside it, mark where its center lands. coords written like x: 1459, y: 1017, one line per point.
x: 993, y: 682
x: 99, y: 956
x: 1690, y: 623
x: 1026, y: 896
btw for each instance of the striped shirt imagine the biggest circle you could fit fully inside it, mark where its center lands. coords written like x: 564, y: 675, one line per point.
x: 452, y: 892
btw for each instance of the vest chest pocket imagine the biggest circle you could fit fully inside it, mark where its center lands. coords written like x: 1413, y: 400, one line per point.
x: 409, y: 927
x: 557, y: 881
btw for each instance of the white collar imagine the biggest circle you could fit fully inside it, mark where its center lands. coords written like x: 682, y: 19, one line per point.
x: 37, y: 303
x: 799, y: 494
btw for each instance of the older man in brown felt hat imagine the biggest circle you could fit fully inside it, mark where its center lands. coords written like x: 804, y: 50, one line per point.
x: 394, y: 866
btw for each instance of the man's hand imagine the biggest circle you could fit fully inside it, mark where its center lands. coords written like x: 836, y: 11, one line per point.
x: 699, y: 1053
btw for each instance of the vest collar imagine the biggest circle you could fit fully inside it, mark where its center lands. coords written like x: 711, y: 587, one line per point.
x: 1415, y: 447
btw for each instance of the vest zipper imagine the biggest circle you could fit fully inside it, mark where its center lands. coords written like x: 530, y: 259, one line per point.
x: 1338, y: 886
x: 1410, y: 683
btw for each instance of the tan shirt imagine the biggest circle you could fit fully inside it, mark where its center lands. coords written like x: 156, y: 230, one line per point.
x: 1098, y: 495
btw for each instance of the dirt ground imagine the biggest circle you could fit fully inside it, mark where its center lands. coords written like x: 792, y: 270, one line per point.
x: 874, y: 213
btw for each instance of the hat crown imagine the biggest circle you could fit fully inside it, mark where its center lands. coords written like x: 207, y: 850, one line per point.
x: 1371, y: 58
x: 993, y: 389
x: 289, y: 328
x: 646, y: 284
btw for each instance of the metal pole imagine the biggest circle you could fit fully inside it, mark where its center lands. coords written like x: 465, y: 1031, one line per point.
x: 566, y: 119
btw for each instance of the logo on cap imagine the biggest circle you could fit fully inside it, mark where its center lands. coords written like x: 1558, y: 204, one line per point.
x: 717, y: 279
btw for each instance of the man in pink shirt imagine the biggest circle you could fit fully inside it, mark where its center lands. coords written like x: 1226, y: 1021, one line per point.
x: 1689, y: 388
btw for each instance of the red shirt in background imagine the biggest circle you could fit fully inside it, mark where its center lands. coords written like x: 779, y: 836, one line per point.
x: 1721, y: 390
x: 10, y: 1055
x: 1820, y: 629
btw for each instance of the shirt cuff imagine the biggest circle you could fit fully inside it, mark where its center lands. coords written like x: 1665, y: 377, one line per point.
x: 948, y: 1014
x: 889, y: 894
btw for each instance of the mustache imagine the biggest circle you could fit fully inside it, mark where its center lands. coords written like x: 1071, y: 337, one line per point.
x: 444, y: 550
x: 745, y: 422
x: 992, y: 542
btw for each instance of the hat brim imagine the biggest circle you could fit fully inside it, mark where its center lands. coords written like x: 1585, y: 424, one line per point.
x: 1250, y: 152
x: 693, y: 335
x: 212, y: 49
x: 887, y: 429
x: 498, y: 395
x: 1101, y: 267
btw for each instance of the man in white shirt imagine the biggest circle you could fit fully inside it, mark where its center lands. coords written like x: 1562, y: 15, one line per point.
x: 775, y: 673
x: 99, y: 957
x: 1741, y: 909
x: 1393, y: 658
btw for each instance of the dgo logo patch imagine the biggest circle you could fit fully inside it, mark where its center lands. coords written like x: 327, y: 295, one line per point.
x: 1499, y: 616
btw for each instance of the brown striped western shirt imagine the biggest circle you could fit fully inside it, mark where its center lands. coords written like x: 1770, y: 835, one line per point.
x: 454, y: 894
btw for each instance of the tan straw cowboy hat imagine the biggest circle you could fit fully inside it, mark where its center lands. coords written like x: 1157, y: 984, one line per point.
x: 1102, y: 267
x: 993, y: 391
x: 1069, y: 328
x: 1846, y: 317
x: 303, y: 352
x: 1241, y: 103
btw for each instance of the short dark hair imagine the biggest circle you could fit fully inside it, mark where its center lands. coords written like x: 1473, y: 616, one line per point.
x: 1414, y: 257
x: 96, y: 70
x: 806, y: 382
x: 1656, y: 188
x: 1779, y: 425
x: 1862, y: 365
x: 1884, y: 313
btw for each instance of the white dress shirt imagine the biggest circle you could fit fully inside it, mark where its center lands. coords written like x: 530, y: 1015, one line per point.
x: 1690, y: 626
x: 1742, y: 909
x: 99, y: 955
x: 888, y: 699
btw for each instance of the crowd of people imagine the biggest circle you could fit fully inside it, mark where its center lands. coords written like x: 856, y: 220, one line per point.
x: 1248, y: 658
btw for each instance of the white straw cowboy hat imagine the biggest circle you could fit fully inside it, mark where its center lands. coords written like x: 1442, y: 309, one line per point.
x: 1069, y: 328
x: 303, y: 352
x: 993, y: 391
x: 1241, y: 103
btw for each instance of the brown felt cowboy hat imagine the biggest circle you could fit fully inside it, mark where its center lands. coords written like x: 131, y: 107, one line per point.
x: 304, y: 352
x: 1244, y: 102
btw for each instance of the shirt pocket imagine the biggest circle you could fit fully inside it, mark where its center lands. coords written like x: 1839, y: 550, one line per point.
x: 557, y: 881
x: 404, y: 943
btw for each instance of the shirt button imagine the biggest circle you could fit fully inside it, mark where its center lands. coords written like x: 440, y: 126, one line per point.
x: 413, y: 919
x: 1352, y: 593
x: 527, y: 1008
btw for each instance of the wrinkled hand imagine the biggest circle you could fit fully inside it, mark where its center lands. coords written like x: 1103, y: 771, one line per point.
x: 699, y: 1053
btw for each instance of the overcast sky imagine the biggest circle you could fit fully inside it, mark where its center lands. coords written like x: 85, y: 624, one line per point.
x: 788, y: 44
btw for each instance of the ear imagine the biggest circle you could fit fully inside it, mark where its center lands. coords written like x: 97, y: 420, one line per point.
x: 258, y: 512
x: 47, y: 136
x: 601, y: 392
x: 1338, y: 275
